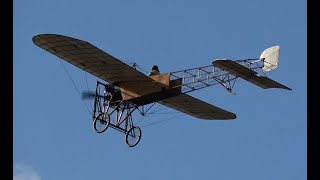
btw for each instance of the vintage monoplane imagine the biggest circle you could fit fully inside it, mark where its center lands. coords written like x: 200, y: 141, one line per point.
x: 126, y: 89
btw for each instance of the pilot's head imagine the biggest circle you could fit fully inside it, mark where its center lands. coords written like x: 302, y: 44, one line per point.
x: 155, y: 68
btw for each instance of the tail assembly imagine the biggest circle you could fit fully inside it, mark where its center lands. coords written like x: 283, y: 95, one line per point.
x: 253, y: 70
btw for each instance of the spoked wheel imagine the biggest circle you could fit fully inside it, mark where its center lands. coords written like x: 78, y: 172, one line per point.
x: 101, y: 122
x: 133, y: 136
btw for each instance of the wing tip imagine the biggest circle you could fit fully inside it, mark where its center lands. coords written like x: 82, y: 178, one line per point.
x: 287, y: 88
x: 232, y: 116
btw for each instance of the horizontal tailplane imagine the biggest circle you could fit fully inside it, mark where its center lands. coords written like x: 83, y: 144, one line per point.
x: 248, y: 74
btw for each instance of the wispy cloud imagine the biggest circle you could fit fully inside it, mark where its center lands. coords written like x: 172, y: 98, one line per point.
x: 22, y: 172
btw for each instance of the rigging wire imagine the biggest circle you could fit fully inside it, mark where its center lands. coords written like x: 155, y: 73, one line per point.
x: 157, y: 122
x: 141, y: 69
x: 155, y: 111
x: 91, y: 102
x: 74, y: 85
x: 136, y: 66
x: 163, y: 112
x: 145, y: 115
x: 85, y: 74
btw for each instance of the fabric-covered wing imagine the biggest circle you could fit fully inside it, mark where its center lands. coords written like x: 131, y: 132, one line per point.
x: 89, y: 58
x: 197, y: 108
x: 248, y: 74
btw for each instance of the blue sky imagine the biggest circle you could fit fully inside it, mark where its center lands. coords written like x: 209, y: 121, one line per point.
x: 52, y: 129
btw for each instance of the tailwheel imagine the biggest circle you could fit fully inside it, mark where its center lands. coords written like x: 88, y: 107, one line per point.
x: 101, y: 122
x: 133, y: 136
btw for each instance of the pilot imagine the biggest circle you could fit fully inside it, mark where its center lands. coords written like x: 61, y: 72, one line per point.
x: 154, y: 70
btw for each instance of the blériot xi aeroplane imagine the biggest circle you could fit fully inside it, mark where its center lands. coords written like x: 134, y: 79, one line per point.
x: 126, y: 89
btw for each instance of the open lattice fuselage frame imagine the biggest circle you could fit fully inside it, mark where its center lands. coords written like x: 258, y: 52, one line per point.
x: 202, y: 77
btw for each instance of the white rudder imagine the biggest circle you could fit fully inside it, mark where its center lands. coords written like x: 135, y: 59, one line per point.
x: 270, y: 58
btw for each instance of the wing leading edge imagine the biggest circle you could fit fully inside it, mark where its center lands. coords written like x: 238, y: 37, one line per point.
x: 197, y: 108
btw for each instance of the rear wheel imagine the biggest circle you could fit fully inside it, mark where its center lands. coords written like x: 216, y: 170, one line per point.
x: 133, y: 136
x: 101, y: 122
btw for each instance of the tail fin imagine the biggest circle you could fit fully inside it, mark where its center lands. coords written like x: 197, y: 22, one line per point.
x: 270, y: 58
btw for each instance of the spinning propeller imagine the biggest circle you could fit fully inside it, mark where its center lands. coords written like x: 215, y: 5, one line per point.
x: 90, y: 95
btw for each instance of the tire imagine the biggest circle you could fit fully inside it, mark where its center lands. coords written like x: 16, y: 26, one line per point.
x: 101, y: 123
x: 133, y: 136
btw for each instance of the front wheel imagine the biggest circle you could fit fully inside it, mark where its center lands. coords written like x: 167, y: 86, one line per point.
x: 101, y: 122
x: 133, y: 136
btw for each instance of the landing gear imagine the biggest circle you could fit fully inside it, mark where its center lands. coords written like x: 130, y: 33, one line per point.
x: 101, y: 123
x: 110, y: 110
x: 133, y: 136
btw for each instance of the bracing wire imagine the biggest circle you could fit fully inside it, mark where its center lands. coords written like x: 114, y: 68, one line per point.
x: 91, y: 102
x: 142, y: 69
x: 157, y: 122
x: 85, y: 74
x: 141, y: 120
x: 155, y: 111
x: 145, y: 115
x: 74, y: 85
x: 138, y: 67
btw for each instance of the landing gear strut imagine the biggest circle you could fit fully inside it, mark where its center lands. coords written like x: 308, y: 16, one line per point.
x: 110, y: 110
